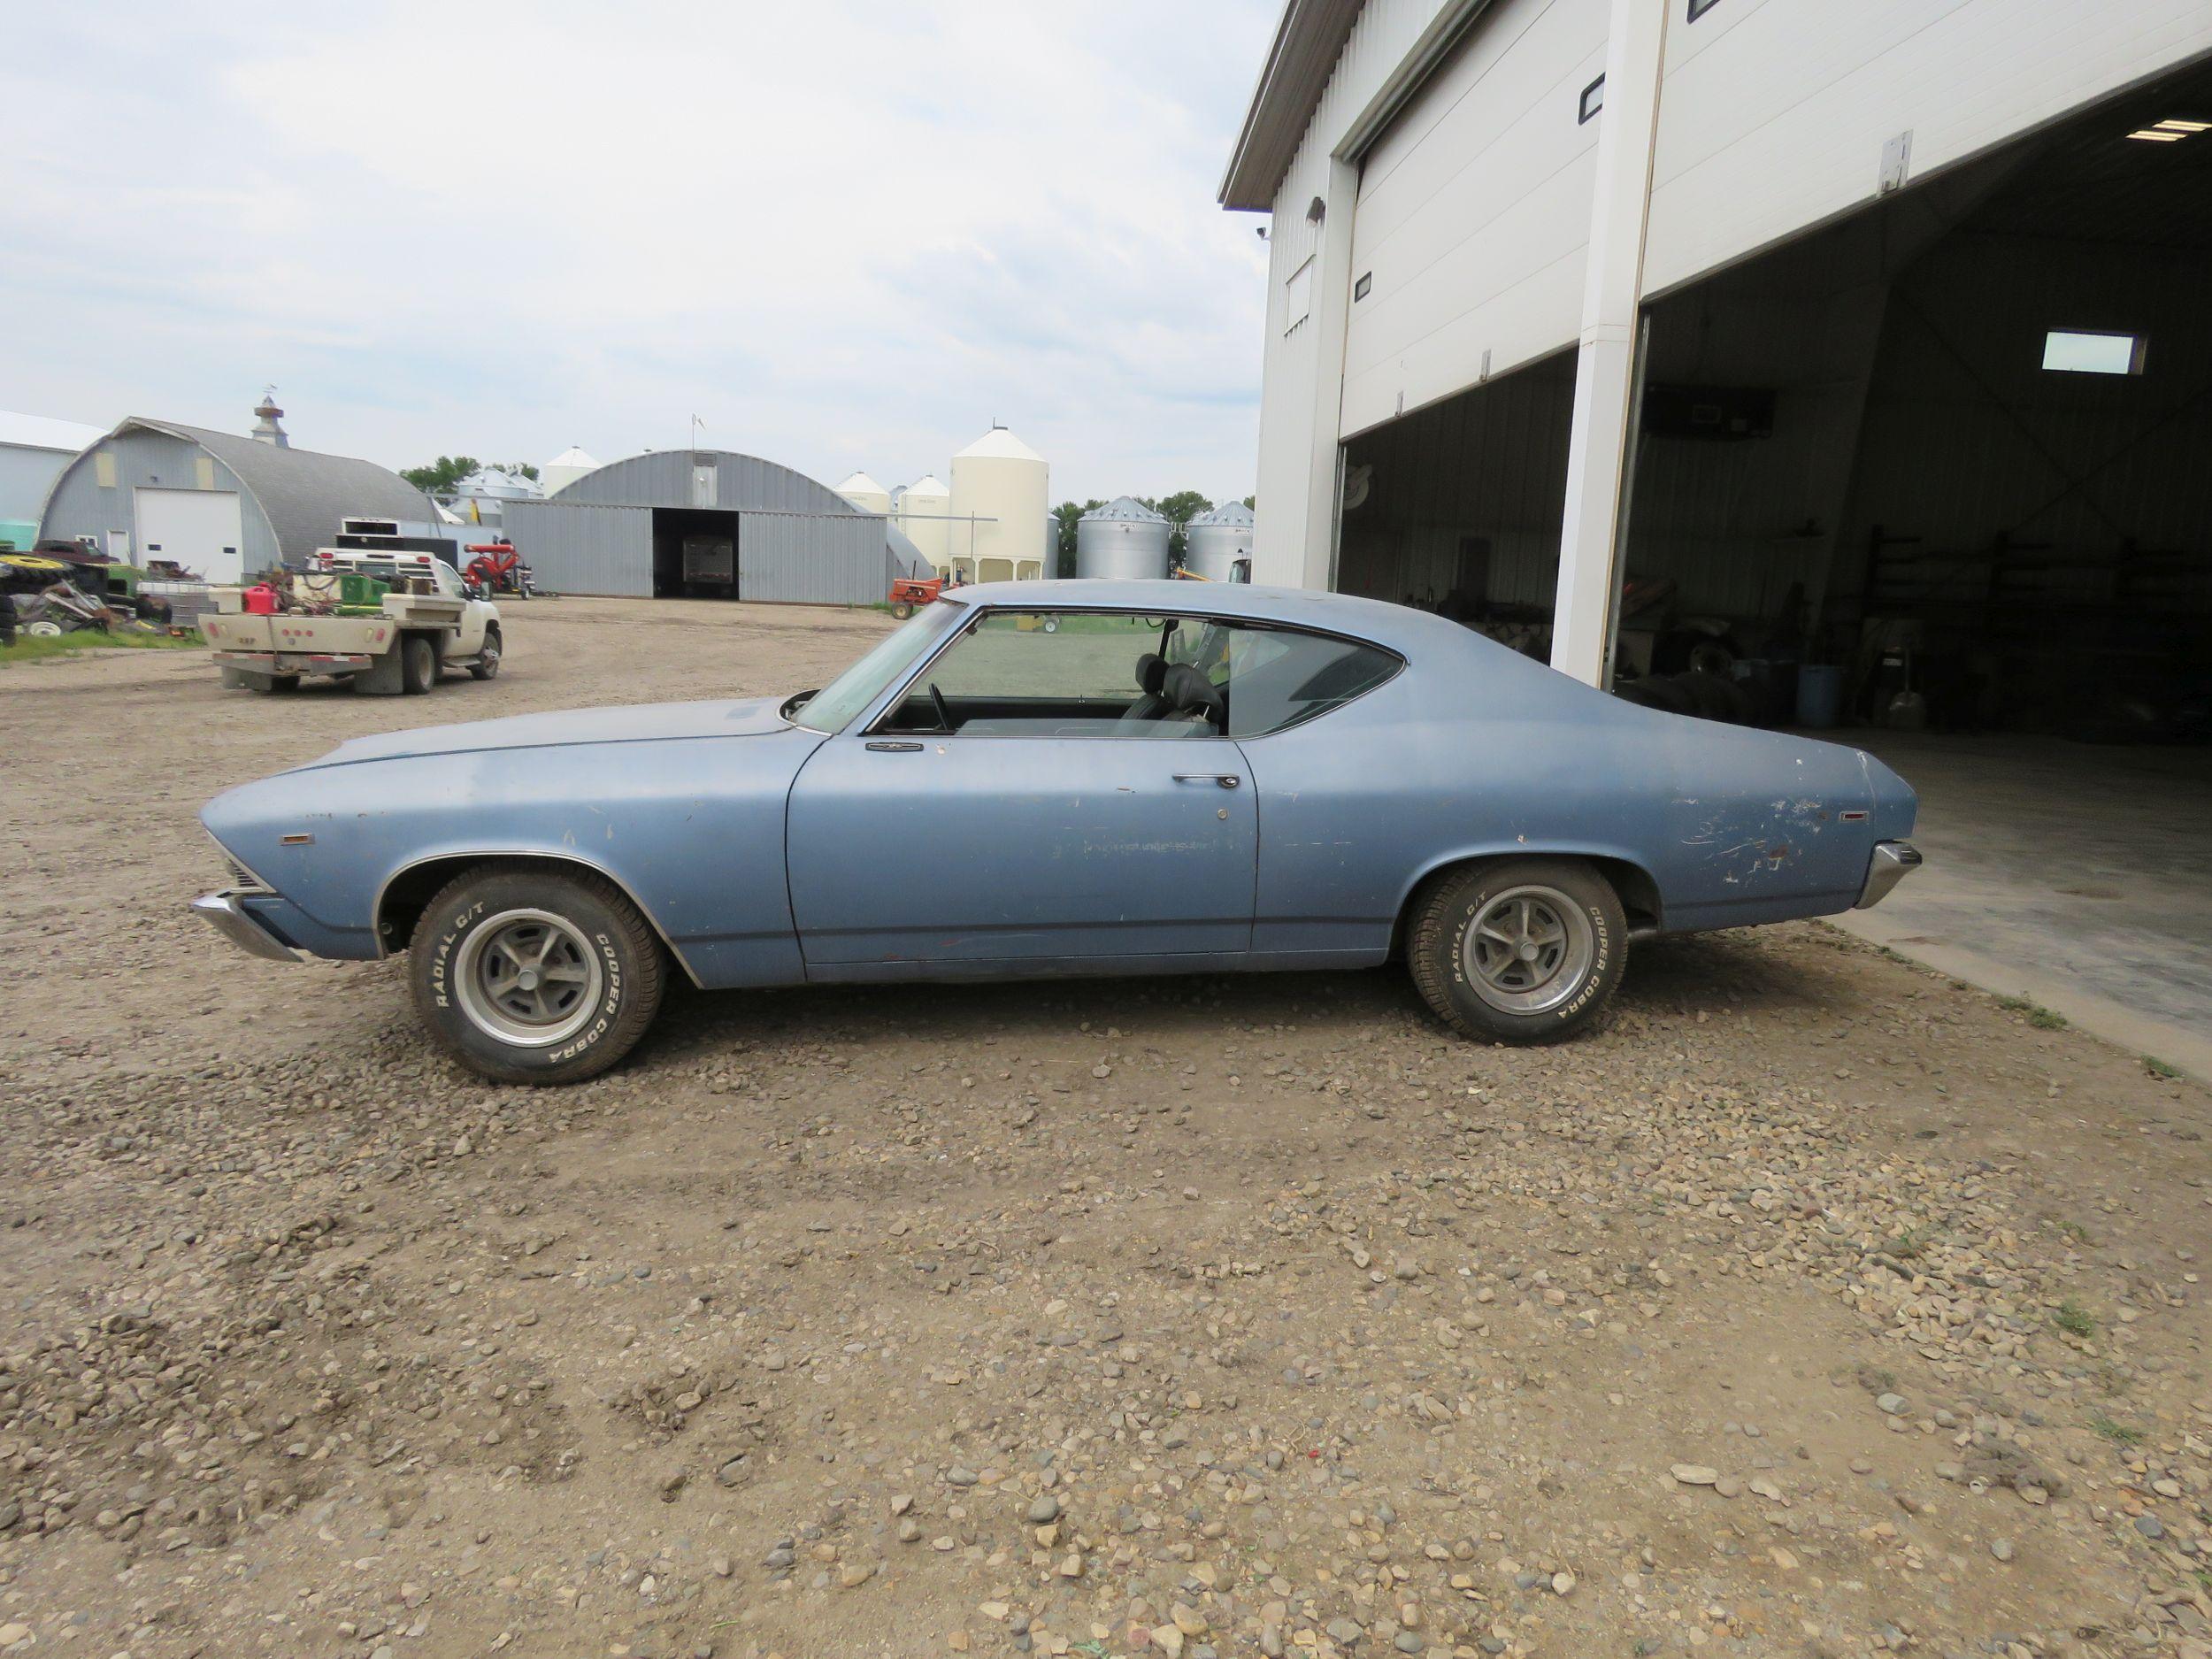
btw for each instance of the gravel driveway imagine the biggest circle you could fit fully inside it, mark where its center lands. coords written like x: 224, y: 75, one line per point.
x: 1813, y: 1305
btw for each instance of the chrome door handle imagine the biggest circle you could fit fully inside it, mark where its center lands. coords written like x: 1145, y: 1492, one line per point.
x: 894, y: 749
x: 1226, y: 780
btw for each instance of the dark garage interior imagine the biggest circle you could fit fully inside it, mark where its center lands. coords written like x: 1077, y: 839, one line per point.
x: 1951, y: 453
x: 695, y: 553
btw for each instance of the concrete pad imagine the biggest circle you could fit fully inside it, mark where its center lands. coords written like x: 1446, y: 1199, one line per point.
x: 2074, y: 875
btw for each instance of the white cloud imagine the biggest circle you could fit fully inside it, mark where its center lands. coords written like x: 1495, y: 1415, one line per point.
x: 844, y: 233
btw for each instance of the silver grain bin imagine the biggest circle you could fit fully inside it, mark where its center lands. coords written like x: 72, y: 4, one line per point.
x: 1124, y: 540
x: 1214, y: 541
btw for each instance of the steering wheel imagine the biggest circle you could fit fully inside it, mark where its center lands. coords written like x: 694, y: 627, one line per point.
x: 944, y: 714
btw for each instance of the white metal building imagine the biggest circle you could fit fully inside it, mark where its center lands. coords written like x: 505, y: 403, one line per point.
x: 1818, y: 316
x: 33, y: 448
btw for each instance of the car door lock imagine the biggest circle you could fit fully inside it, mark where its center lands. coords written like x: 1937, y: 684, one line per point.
x: 1226, y: 780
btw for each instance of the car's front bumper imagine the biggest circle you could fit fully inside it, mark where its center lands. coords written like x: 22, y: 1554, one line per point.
x: 223, y: 911
x: 1892, y: 862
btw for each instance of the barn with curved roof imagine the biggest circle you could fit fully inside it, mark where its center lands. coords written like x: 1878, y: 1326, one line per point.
x: 709, y: 524
x: 218, y: 502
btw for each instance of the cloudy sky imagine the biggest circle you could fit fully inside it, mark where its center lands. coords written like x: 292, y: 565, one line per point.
x: 843, y: 233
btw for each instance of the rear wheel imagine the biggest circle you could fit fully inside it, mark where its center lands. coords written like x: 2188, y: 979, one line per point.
x: 902, y: 609
x: 529, y: 976
x: 417, y: 665
x: 1525, y: 950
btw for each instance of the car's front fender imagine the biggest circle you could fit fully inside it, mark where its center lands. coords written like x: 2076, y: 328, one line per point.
x: 692, y: 829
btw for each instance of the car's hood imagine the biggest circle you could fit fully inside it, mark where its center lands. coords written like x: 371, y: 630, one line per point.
x: 651, y: 722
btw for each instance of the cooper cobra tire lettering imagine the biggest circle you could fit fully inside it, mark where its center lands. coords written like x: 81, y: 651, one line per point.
x: 1436, y: 926
x: 628, y: 953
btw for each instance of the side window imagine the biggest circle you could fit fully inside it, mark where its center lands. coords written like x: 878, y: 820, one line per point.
x: 1279, y: 678
x: 1036, y: 673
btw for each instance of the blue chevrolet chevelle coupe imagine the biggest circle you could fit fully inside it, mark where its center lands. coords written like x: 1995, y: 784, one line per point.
x: 1037, y: 778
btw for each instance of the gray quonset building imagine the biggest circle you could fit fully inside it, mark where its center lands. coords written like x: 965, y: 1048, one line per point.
x: 709, y: 524
x: 215, y: 502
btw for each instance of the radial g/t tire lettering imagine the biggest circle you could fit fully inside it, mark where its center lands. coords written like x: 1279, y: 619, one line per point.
x: 530, y: 975
x: 1524, y: 950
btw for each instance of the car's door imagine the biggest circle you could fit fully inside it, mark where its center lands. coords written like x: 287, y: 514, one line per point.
x: 1025, y: 800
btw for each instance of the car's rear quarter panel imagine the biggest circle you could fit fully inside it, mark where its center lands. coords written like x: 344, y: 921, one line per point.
x: 1472, y: 752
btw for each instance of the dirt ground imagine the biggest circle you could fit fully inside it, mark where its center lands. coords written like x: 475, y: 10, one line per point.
x: 1814, y: 1304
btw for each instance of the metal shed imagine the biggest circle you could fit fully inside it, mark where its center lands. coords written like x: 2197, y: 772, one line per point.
x: 215, y: 502
x: 709, y: 524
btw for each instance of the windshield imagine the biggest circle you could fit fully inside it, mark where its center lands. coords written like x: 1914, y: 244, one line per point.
x: 832, y: 708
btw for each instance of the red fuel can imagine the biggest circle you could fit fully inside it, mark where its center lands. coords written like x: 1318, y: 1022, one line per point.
x: 261, y: 600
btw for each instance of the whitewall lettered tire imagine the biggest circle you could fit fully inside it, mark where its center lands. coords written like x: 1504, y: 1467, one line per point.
x: 532, y: 975
x: 1521, y: 950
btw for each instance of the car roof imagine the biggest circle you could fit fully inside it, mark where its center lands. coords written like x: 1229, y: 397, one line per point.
x: 1398, y: 627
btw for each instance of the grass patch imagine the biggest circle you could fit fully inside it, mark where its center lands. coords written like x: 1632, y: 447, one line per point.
x: 39, y: 648
x: 1911, y: 1243
x: 2073, y: 1230
x: 2074, y: 1319
x: 2158, y: 1068
x: 2037, y: 1016
x: 2118, y: 1433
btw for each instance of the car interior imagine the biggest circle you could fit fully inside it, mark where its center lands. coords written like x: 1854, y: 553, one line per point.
x: 1022, y: 674
x: 1160, y: 698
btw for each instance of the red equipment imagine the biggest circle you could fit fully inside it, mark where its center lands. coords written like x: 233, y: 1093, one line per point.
x: 498, y: 567
x: 261, y: 600
x: 910, y: 592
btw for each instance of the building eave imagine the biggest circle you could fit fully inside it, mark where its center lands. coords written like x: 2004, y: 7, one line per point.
x: 1309, y: 38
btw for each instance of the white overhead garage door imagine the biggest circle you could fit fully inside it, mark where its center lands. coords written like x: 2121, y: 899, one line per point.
x: 1474, y: 213
x: 199, y: 528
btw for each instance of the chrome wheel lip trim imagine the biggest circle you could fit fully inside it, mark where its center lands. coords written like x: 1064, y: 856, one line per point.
x: 1578, y: 952
x: 474, y: 1000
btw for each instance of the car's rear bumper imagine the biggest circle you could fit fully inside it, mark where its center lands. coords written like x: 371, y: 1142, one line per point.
x: 223, y: 912
x: 1892, y: 862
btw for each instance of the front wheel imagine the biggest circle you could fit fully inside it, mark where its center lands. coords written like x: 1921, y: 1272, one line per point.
x: 534, y: 976
x: 487, y: 663
x: 1526, y: 950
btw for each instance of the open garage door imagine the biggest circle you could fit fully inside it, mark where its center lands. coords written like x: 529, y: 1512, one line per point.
x: 201, y: 529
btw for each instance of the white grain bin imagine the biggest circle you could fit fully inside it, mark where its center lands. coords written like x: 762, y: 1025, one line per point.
x: 1124, y: 539
x: 925, y: 513
x: 1214, y: 541
x: 1004, y: 487
x: 564, y: 468
x: 866, y: 494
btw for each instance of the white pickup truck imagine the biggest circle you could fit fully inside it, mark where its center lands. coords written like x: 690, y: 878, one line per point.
x: 425, y: 623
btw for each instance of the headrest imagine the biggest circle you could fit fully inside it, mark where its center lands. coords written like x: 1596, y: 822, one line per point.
x: 1151, y: 670
x: 1192, y: 693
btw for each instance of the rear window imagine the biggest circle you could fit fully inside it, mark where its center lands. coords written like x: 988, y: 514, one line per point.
x: 1279, y: 677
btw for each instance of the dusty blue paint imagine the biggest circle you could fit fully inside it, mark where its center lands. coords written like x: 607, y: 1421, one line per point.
x: 767, y: 853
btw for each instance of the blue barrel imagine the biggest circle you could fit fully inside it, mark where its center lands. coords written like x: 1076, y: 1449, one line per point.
x: 1819, y: 697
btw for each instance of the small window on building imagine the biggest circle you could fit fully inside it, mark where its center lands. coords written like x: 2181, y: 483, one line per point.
x: 2077, y: 351
x: 1360, y: 287
x: 103, y: 469
x: 1699, y: 8
x: 204, y: 472
x: 1593, y: 100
